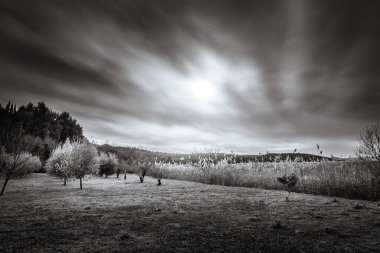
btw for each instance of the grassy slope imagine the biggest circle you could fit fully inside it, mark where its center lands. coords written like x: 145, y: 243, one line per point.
x: 38, y: 213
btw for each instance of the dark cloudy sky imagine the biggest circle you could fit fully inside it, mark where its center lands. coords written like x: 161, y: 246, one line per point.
x: 176, y: 75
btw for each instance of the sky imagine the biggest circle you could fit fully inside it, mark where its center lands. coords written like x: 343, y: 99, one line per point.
x: 183, y: 76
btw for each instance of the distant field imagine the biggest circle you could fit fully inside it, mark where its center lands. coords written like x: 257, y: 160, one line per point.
x: 38, y: 213
x: 355, y: 180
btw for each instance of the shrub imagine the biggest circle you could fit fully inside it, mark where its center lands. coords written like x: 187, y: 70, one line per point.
x: 108, y: 163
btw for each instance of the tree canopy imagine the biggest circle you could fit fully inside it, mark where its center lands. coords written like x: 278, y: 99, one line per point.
x: 43, y: 127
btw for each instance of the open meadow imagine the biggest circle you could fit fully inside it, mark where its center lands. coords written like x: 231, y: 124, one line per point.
x: 39, y: 214
x: 190, y: 126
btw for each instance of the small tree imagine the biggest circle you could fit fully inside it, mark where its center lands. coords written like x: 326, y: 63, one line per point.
x: 144, y: 167
x: 289, y: 182
x: 59, y: 162
x: 84, y: 160
x: 108, y: 163
x: 369, y: 151
x: 157, y: 171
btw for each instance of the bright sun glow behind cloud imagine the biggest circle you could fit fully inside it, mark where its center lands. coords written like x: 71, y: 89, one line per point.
x: 196, y: 91
x: 203, y: 90
x: 200, y: 82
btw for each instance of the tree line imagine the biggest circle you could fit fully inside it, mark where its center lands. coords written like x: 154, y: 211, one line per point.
x: 43, y: 127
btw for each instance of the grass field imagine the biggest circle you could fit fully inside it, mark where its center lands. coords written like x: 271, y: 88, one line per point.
x: 354, y: 180
x: 38, y: 213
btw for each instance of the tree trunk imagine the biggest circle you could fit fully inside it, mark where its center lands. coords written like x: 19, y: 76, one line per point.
x: 5, y: 184
x: 64, y: 182
x: 287, y: 198
x: 117, y: 174
x: 80, y: 182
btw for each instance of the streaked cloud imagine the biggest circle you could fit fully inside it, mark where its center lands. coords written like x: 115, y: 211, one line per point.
x: 173, y: 75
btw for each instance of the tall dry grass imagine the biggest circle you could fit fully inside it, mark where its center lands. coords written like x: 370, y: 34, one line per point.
x: 348, y: 179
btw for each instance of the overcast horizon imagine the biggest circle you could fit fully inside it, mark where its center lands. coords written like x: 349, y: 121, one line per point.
x: 179, y: 76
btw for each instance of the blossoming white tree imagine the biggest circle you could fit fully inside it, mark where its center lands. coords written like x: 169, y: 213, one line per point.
x: 59, y: 162
x: 74, y: 159
x: 84, y: 160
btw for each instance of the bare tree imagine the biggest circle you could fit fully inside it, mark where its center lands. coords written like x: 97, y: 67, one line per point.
x: 369, y: 149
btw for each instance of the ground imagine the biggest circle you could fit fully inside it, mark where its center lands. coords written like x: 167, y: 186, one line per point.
x: 38, y: 213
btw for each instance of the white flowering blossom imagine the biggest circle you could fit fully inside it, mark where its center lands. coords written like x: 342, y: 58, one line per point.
x: 59, y: 161
x: 75, y: 159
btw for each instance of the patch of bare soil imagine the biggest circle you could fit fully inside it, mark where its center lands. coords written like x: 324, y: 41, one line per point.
x: 38, y: 213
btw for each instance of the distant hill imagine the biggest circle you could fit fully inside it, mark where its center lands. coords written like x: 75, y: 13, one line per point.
x: 126, y: 153
x: 272, y: 157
